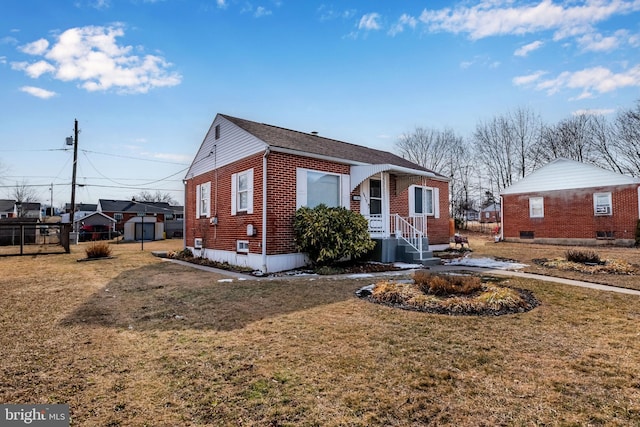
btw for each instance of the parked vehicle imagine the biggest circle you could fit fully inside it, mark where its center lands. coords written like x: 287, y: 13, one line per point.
x: 96, y: 232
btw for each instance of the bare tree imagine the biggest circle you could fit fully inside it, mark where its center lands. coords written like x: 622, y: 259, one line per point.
x: 504, y: 144
x: 571, y: 138
x: 430, y: 148
x: 627, y: 141
x: 24, y: 193
x: 146, y: 196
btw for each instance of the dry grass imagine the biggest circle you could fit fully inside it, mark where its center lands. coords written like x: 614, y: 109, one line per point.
x: 622, y: 260
x: 133, y: 341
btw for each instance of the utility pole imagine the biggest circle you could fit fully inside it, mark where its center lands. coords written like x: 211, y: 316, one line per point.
x: 73, y: 177
x: 51, y: 200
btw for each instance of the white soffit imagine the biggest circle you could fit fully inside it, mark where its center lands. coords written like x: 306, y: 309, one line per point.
x: 565, y: 174
x: 360, y: 173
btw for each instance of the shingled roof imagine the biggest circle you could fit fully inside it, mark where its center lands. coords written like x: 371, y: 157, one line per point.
x: 311, y: 143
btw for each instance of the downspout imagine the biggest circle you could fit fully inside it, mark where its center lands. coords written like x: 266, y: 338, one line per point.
x: 184, y: 216
x: 501, y: 234
x: 264, y: 210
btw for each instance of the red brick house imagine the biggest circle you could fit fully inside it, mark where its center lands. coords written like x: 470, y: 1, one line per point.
x: 568, y: 202
x: 247, y: 180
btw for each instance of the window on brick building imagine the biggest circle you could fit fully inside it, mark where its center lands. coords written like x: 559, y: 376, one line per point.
x: 242, y: 192
x: 602, y: 204
x: 203, y: 200
x: 423, y: 201
x: 536, y: 207
x: 316, y: 187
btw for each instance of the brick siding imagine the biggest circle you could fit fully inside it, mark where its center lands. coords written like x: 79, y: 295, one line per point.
x: 569, y: 214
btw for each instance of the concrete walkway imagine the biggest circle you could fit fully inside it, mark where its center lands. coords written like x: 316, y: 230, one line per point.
x: 444, y: 268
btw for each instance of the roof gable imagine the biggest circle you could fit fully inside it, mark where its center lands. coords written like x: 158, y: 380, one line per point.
x: 565, y: 174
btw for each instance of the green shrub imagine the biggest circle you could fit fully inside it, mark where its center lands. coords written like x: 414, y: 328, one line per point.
x: 329, y: 234
x: 98, y: 250
x: 583, y: 256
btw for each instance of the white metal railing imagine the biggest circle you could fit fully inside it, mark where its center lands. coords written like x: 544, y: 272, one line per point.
x: 405, y: 229
x: 410, y: 229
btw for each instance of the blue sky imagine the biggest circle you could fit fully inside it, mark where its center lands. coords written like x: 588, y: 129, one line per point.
x: 145, y: 78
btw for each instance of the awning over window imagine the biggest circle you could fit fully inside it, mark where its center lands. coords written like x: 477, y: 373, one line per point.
x: 406, y: 176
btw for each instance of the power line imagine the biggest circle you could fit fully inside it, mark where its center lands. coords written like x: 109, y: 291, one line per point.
x: 134, y: 158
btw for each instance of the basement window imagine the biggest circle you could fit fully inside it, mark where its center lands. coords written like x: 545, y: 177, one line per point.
x: 605, y: 235
x: 242, y: 246
x: 526, y: 234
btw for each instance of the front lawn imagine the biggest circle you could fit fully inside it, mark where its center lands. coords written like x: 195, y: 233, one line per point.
x: 134, y: 340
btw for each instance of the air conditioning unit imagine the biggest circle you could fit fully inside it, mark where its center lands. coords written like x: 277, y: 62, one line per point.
x: 197, y: 243
x: 603, y: 210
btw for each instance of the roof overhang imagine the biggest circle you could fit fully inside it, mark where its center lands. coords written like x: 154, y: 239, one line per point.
x: 406, y: 176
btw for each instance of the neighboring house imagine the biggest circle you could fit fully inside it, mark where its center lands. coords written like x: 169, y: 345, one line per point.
x: 174, y: 223
x: 82, y: 210
x: 95, y: 226
x: 137, y: 220
x: 8, y: 209
x: 490, y: 213
x: 29, y: 210
x: 567, y: 202
x: 472, y: 215
x: 248, y: 179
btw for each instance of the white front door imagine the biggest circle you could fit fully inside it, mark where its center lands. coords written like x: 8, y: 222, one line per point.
x: 374, y: 204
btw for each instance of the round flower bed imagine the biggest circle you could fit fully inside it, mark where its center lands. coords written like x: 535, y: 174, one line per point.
x: 451, y: 294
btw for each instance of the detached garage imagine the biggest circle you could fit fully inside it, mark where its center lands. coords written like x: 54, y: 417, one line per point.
x: 573, y: 203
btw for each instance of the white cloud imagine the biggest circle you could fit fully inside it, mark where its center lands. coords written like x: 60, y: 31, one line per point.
x: 528, y: 79
x: 590, y: 80
x: 328, y: 13
x: 369, y: 22
x: 3, y: 59
x: 261, y: 11
x: 526, y: 49
x: 92, y: 56
x: 222, y: 4
x: 38, y: 92
x: 597, y: 43
x: 404, y: 21
x: 37, y: 47
x: 495, y: 18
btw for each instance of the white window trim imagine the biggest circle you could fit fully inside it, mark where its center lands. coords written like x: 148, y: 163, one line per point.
x: 609, y: 205
x: 206, y: 189
x: 531, y: 201
x: 301, y: 187
x: 234, y: 192
x: 435, y: 201
x: 242, y: 246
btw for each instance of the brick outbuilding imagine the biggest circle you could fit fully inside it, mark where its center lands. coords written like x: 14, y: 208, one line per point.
x: 248, y: 179
x: 568, y: 202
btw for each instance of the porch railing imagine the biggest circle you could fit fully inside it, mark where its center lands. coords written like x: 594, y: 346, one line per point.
x: 412, y: 229
x: 406, y: 230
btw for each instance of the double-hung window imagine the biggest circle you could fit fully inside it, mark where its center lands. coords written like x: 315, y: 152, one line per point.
x: 242, y: 192
x: 423, y: 201
x: 203, y: 200
x: 602, y: 204
x: 536, y: 207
